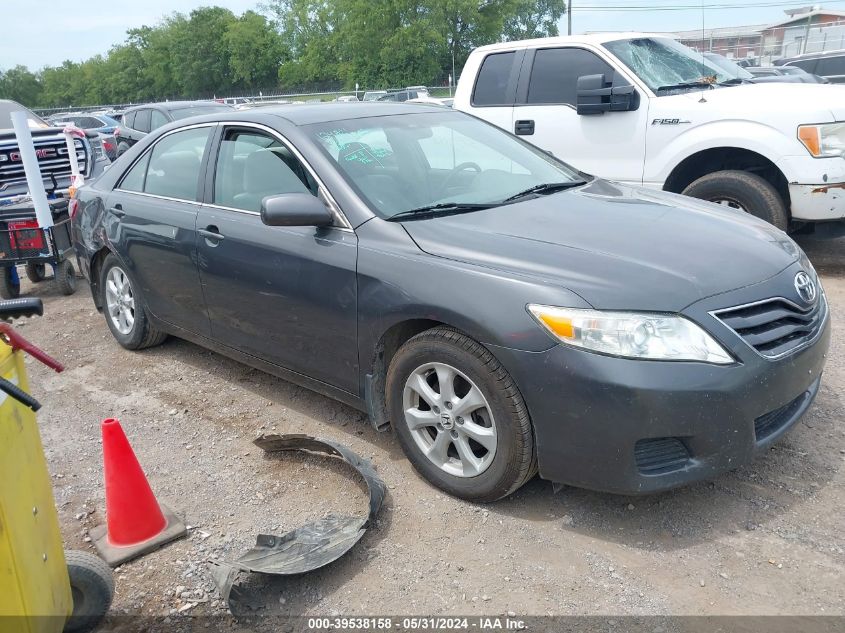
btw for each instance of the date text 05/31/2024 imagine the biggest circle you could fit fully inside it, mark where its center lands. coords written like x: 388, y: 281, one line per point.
x: 478, y: 623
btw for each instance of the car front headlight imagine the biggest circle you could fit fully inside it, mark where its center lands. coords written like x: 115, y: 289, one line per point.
x: 823, y: 141
x: 631, y: 334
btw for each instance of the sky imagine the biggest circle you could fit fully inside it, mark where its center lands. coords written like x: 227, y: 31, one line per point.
x: 88, y: 27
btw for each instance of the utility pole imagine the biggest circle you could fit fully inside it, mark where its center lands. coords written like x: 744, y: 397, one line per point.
x: 569, y: 17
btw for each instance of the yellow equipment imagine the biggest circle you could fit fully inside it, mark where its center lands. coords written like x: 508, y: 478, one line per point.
x: 43, y: 590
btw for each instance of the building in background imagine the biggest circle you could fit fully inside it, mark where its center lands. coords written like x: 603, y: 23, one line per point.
x: 805, y: 30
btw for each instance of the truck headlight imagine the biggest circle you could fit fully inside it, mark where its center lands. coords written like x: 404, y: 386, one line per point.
x: 631, y: 334
x: 823, y: 141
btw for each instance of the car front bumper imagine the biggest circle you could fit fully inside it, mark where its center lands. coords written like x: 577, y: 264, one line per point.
x: 634, y: 427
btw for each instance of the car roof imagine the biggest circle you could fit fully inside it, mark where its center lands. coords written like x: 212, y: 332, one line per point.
x: 174, y: 105
x: 816, y: 55
x: 306, y: 114
x: 588, y: 38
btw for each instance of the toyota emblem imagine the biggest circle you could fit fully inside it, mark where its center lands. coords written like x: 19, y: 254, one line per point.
x: 806, y: 287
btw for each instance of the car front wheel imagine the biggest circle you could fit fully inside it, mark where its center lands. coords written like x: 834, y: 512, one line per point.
x: 124, y: 308
x: 459, y: 417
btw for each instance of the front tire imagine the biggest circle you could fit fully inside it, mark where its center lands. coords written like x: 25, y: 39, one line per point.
x: 459, y: 417
x: 36, y: 272
x: 10, y: 283
x: 124, y: 308
x: 92, y: 587
x: 66, y: 277
x: 744, y: 191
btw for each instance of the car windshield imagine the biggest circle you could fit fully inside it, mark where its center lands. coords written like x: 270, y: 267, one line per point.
x: 664, y: 64
x: 6, y: 109
x: 400, y: 163
x: 728, y: 66
x: 184, y: 113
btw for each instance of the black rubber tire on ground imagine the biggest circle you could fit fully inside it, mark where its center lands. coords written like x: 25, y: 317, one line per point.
x: 92, y: 587
x: 66, y: 277
x: 36, y: 272
x: 143, y: 333
x: 8, y: 288
x: 514, y: 462
x: 751, y: 192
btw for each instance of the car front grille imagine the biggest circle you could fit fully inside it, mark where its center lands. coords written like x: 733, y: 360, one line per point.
x: 776, y: 326
x: 53, y: 160
x: 660, y: 455
x: 773, y: 421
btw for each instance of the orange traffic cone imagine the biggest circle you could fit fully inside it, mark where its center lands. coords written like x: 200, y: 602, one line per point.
x: 135, y: 522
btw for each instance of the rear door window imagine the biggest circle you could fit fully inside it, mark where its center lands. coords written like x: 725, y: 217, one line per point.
x: 806, y: 64
x: 175, y: 163
x: 830, y: 66
x: 157, y: 119
x: 142, y: 121
x: 555, y: 73
x: 492, y: 85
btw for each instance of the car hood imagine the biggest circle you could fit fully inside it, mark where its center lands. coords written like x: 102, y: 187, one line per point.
x: 806, y: 103
x: 618, y: 247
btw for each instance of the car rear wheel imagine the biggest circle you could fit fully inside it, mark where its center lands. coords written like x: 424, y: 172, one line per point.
x: 743, y: 191
x: 124, y: 308
x: 459, y: 417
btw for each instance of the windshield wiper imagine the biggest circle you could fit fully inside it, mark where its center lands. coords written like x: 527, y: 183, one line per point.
x: 444, y: 208
x: 687, y: 84
x: 545, y: 188
x: 734, y: 81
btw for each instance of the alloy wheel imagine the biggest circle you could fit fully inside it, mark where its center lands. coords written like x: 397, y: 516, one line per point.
x: 449, y: 419
x: 120, y: 301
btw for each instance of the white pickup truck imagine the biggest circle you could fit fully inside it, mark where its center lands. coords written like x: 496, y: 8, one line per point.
x: 643, y: 109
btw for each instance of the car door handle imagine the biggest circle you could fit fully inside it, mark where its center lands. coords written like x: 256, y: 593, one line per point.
x: 524, y: 127
x: 211, y: 233
x: 117, y: 211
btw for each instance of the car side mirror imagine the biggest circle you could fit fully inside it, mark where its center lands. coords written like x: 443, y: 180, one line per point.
x: 295, y: 209
x: 595, y: 95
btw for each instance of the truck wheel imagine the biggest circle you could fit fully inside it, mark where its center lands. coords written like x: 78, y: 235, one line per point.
x: 124, y: 308
x: 92, y: 588
x: 66, y: 277
x: 459, y: 417
x: 10, y: 284
x: 743, y: 191
x: 36, y: 272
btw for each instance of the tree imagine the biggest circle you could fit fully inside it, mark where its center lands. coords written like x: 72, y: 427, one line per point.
x: 256, y: 51
x: 21, y: 85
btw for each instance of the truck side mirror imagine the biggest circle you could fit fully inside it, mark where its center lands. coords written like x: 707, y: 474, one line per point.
x: 595, y: 95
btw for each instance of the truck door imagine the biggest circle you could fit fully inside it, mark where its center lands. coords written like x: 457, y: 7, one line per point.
x: 610, y: 145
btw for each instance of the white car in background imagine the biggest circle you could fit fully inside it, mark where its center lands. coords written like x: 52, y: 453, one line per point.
x: 643, y: 109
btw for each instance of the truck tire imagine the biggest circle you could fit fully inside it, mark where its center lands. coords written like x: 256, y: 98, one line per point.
x: 744, y: 191
x: 36, y: 272
x: 92, y: 588
x: 66, y: 277
x: 10, y: 284
x: 459, y: 417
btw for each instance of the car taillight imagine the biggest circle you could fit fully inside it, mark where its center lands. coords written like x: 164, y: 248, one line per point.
x: 26, y: 235
x: 108, y: 145
x: 72, y: 207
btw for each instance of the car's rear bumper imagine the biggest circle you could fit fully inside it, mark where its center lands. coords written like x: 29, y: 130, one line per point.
x: 633, y: 427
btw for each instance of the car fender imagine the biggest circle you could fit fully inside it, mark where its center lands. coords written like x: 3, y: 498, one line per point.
x: 665, y: 151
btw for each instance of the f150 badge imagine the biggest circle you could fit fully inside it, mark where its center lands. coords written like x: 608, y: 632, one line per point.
x: 670, y: 122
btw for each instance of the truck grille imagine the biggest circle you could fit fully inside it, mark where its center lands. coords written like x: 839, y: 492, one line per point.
x: 776, y: 326
x: 52, y: 158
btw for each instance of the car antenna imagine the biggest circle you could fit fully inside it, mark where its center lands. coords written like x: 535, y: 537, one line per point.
x: 703, y: 99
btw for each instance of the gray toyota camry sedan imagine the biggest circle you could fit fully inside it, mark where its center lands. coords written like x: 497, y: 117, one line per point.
x: 501, y: 312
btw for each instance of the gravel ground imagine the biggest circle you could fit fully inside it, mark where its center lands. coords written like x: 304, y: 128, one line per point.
x: 765, y: 539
